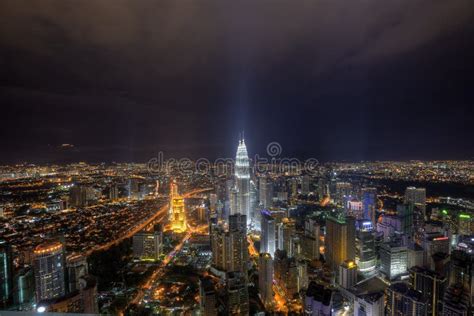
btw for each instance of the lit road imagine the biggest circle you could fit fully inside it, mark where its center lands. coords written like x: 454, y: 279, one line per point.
x: 159, y: 272
x: 156, y: 217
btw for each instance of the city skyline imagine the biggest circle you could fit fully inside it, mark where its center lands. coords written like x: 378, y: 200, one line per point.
x: 127, y: 186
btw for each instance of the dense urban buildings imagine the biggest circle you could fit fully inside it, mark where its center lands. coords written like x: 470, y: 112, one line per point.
x: 321, y: 244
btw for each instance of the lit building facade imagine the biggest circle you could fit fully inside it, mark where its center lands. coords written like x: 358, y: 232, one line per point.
x: 177, y: 213
x: 6, y: 273
x: 265, y: 278
x: 267, y: 240
x: 242, y: 182
x: 49, y: 271
x: 340, y: 241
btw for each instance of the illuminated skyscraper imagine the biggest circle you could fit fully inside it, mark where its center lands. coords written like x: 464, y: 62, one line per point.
x: 267, y: 242
x: 6, y: 273
x: 347, y: 274
x: 366, y: 257
x: 242, y: 182
x: 369, y: 202
x: 340, y: 240
x: 265, y: 278
x: 49, y: 266
x: 177, y: 213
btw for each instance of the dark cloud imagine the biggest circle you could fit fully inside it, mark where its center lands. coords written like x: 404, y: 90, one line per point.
x: 342, y: 80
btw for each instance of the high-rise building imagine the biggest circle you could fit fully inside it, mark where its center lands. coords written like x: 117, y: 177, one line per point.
x: 6, y: 274
x: 365, y: 256
x: 347, y: 274
x: 462, y: 273
x: 237, y: 245
x: 393, y: 259
x: 49, y: 271
x: 286, y: 230
x: 148, y: 245
x: 305, y: 184
x: 416, y: 197
x: 402, y: 300
x: 431, y: 285
x: 230, y: 248
x: 310, y: 240
x: 343, y: 191
x: 237, y: 294
x: 79, y: 196
x: 76, y: 269
x: 207, y: 297
x: 265, y: 188
x: 242, y: 181
x: 369, y: 202
x: 267, y: 240
x: 24, y: 287
x: 406, y: 214
x: 319, y: 300
x: 113, y: 192
x: 177, y: 212
x: 265, y: 278
x: 340, y: 241
x: 254, y: 213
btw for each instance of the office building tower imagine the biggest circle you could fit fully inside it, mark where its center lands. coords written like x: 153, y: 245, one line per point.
x: 365, y: 255
x: 310, y: 240
x: 402, y: 300
x: 354, y: 208
x: 207, y: 297
x: 79, y: 196
x: 343, y: 190
x: 285, y: 232
x: 242, y: 181
x: 76, y: 269
x: 456, y: 301
x: 237, y: 294
x: 369, y: 304
x: 416, y: 256
x: 416, y: 197
x: 6, y: 274
x: 462, y: 273
x: 24, y: 287
x: 369, y: 202
x: 177, y: 212
x: 113, y: 192
x: 431, y: 285
x: 405, y: 213
x: 393, y: 259
x: 434, y: 243
x: 340, y: 240
x: 49, y: 271
x: 236, y: 244
x: 148, y: 245
x: 254, y: 213
x: 265, y: 278
x: 230, y: 248
x: 305, y: 184
x: 347, y: 274
x: 265, y: 192
x: 319, y: 300
x: 267, y: 240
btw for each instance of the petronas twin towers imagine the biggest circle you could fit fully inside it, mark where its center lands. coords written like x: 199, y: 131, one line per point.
x: 242, y: 202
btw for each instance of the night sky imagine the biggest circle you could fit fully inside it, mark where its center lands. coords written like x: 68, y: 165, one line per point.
x: 335, y: 80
